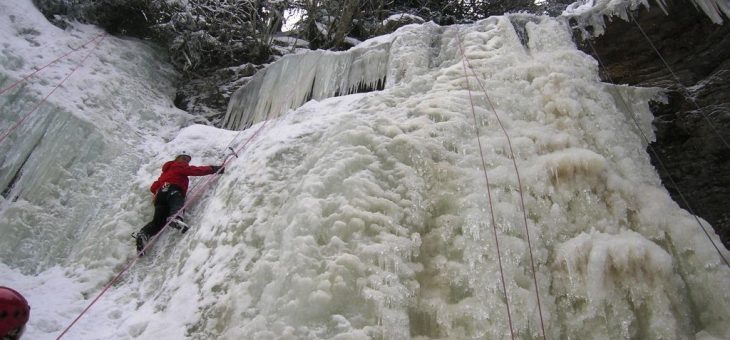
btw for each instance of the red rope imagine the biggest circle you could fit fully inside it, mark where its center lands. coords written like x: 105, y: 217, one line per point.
x: 195, y: 191
x: 489, y: 191
x: 19, y: 122
x: 519, y: 182
x: 50, y: 63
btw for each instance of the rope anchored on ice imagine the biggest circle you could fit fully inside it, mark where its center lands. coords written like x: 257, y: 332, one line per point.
x: 72, y: 50
x: 233, y: 152
x: 194, y: 194
x: 467, y: 66
x: 17, y: 124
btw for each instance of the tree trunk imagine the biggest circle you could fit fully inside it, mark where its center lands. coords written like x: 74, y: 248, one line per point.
x: 344, y: 22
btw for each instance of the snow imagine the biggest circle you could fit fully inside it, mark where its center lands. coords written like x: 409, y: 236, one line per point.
x: 402, y: 16
x: 292, y: 18
x: 290, y: 41
x: 364, y: 215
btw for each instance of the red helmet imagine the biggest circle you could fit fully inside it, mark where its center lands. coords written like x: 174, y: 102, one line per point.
x: 14, y: 313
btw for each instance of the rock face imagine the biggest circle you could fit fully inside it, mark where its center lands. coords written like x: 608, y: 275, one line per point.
x: 205, y: 94
x: 692, y: 151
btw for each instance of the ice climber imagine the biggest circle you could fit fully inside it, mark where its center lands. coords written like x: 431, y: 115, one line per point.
x: 169, y: 195
x: 14, y: 314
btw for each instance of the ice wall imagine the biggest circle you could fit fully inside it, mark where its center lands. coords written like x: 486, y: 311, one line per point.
x: 367, y: 216
x: 65, y: 169
x: 363, y: 216
x: 295, y: 79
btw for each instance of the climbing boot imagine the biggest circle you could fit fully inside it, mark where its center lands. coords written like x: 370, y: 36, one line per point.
x: 141, y: 240
x: 179, y: 224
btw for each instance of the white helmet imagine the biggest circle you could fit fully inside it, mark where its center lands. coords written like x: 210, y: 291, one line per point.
x: 183, y: 153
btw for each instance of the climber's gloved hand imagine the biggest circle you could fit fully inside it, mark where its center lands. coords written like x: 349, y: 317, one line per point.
x: 218, y: 169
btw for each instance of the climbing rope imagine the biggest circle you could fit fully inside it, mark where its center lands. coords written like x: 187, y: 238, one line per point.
x: 194, y: 193
x: 229, y: 156
x: 489, y: 191
x: 72, y: 50
x: 10, y: 130
x: 656, y: 156
x: 519, y: 180
x: 688, y: 95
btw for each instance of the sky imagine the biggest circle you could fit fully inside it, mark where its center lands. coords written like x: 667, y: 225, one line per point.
x: 291, y: 18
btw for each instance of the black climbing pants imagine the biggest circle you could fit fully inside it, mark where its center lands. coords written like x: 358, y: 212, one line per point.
x: 168, y: 201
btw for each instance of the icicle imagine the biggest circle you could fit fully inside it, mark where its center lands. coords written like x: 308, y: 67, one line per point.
x: 593, y: 13
x: 295, y: 79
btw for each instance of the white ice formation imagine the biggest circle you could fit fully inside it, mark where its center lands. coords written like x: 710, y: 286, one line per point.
x: 367, y: 216
x: 594, y: 13
x: 69, y: 162
x: 379, y: 63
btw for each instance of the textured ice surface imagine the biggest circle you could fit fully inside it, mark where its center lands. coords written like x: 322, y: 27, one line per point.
x: 366, y: 216
x: 64, y: 170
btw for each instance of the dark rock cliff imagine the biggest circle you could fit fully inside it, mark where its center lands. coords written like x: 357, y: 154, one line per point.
x: 691, y: 152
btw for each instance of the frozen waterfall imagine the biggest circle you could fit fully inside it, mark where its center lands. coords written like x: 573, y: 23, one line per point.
x: 61, y: 171
x: 362, y: 216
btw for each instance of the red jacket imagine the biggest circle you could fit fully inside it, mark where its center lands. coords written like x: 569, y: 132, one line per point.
x: 176, y: 173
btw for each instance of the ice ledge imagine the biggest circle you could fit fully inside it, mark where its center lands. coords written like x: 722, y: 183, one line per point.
x: 593, y: 13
